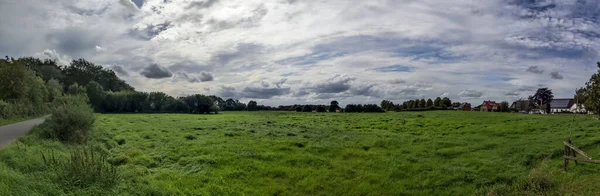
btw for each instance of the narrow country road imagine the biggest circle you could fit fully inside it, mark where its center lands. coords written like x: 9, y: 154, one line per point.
x: 9, y: 133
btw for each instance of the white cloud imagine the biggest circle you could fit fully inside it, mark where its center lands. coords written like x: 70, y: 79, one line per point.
x: 314, y: 51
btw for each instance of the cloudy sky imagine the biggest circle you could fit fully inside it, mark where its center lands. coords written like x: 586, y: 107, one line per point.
x: 314, y: 51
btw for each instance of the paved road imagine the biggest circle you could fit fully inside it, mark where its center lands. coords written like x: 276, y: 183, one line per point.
x: 9, y: 133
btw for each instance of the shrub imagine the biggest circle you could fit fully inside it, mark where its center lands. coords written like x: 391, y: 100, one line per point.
x: 299, y: 109
x: 71, y: 120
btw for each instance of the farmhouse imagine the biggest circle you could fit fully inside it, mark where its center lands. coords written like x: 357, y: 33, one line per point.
x: 520, y: 105
x: 561, y: 105
x: 489, y: 106
x: 464, y: 107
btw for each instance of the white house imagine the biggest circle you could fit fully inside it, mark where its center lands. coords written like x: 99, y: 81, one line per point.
x: 578, y: 108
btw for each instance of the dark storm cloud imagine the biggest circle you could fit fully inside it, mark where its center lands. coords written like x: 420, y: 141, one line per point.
x: 535, y: 69
x: 205, y: 77
x: 119, y: 70
x: 363, y: 90
x: 336, y: 84
x: 555, y: 75
x: 242, y: 50
x: 227, y: 92
x: 154, y: 71
x: 264, y: 93
x: 470, y: 93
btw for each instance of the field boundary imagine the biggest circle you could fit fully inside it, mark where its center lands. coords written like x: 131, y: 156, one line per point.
x: 571, y: 154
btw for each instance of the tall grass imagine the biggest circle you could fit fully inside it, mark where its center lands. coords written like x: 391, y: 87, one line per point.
x: 84, y: 168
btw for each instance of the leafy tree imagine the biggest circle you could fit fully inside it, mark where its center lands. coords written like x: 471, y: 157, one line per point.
x: 158, y: 101
x: 456, y: 104
x: 298, y: 109
x: 96, y: 95
x: 446, y: 102
x: 252, y: 106
x: 55, y: 89
x: 387, y: 105
x: 38, y: 93
x: 592, y: 93
x: 580, y: 97
x: 429, y: 103
x: 15, y: 80
x: 82, y: 72
x: 198, y: 104
x: 437, y: 102
x: 334, y: 106
x: 543, y: 96
x: 412, y: 104
x: 218, y: 101
x: 504, y: 106
x: 422, y: 103
x: 75, y: 89
x: 306, y: 108
x: 46, y: 69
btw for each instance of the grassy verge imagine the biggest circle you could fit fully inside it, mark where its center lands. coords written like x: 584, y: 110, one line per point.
x: 33, y: 165
x: 285, y: 153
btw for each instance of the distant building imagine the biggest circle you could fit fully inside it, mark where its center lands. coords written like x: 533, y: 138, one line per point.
x: 561, y: 105
x: 489, y: 106
x: 520, y: 106
x: 578, y: 108
x: 464, y: 107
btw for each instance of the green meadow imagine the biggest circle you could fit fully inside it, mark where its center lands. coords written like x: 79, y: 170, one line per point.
x: 289, y: 153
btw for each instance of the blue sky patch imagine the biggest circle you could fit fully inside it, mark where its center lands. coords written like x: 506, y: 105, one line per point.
x: 394, y: 68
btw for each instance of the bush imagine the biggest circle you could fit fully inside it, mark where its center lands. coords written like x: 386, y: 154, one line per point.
x: 299, y: 109
x: 71, y: 120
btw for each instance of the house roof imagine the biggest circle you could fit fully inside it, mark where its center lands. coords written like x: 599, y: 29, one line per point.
x: 561, y: 103
x: 489, y: 104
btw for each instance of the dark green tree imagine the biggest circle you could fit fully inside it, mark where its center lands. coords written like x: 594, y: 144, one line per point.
x: 306, y: 108
x: 422, y: 103
x: 55, y: 89
x: 75, y: 89
x: 252, y: 106
x: 504, y: 107
x: 592, y: 93
x: 96, y: 95
x: 334, y: 106
x: 429, y: 103
x: 541, y: 98
x: 158, y: 101
x: 446, y: 102
x: 437, y: 102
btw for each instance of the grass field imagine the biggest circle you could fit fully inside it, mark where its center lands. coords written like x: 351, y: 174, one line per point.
x: 288, y: 153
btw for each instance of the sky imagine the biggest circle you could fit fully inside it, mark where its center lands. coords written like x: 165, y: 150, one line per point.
x: 281, y: 52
